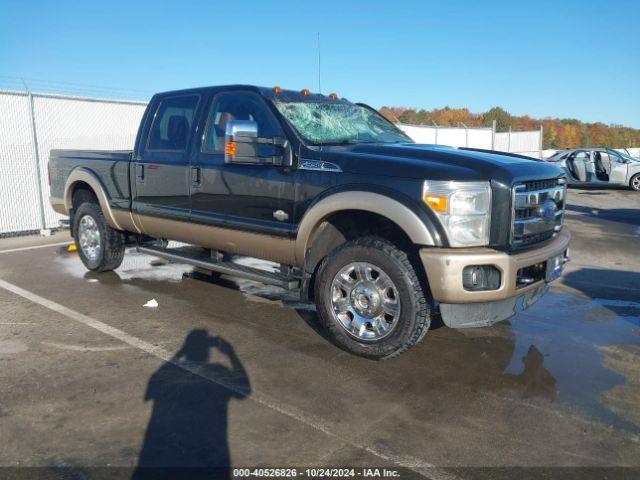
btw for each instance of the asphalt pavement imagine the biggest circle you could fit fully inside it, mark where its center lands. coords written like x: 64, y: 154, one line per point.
x: 231, y: 372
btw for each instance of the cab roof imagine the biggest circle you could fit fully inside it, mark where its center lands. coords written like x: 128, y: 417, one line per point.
x: 271, y: 93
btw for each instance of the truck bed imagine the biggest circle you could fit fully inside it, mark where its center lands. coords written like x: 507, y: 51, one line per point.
x: 110, y: 166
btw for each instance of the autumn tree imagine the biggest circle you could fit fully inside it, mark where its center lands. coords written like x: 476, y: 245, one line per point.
x: 558, y: 133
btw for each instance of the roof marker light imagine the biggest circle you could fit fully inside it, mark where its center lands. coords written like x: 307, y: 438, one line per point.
x: 277, y: 90
x: 333, y: 96
x: 304, y: 92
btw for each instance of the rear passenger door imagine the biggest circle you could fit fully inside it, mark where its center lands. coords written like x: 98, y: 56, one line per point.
x: 162, y: 176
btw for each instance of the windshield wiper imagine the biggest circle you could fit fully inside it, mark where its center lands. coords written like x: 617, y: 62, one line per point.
x: 354, y: 142
x: 342, y: 142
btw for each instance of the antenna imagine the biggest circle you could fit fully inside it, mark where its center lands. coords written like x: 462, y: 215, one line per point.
x: 319, y: 82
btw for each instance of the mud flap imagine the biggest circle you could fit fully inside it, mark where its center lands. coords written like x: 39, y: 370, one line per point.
x: 470, y: 315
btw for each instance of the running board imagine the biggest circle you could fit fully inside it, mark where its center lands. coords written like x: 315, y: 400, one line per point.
x: 222, y: 266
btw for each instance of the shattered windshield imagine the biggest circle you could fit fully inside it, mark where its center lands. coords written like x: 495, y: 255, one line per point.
x: 339, y: 123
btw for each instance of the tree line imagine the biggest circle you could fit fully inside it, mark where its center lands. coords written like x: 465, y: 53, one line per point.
x: 558, y: 132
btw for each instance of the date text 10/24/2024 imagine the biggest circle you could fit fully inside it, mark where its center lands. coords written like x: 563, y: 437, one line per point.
x: 316, y: 473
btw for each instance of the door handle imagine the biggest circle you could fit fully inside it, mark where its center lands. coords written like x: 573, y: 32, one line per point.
x: 140, y: 172
x: 195, y: 176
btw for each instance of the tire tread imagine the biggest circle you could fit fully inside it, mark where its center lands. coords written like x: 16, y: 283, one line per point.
x: 114, y: 244
x: 423, y: 308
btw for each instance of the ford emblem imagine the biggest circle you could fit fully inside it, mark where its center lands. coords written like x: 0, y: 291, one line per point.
x: 548, y: 211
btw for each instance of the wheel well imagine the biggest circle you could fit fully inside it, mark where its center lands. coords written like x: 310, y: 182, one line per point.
x: 80, y: 192
x: 345, y: 225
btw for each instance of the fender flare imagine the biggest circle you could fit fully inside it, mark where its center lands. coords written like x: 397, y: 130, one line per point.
x: 383, y: 205
x: 85, y: 175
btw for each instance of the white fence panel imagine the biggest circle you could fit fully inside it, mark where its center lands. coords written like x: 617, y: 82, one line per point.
x: 451, y: 136
x: 524, y: 143
x: 481, y: 138
x: 60, y: 122
x: 75, y: 123
x: 19, y: 207
x: 419, y: 134
x: 454, y: 137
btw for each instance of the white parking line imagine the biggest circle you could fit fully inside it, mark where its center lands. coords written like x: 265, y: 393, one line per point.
x: 10, y: 250
x: 290, y: 411
x: 81, y: 348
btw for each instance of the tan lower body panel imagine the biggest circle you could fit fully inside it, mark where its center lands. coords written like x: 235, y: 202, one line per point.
x: 266, y: 247
x: 126, y: 220
x: 58, y: 205
x: 116, y: 217
x: 444, y: 267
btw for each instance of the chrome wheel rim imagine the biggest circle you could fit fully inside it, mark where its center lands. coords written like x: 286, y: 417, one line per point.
x: 364, y: 301
x: 636, y: 183
x: 89, y: 238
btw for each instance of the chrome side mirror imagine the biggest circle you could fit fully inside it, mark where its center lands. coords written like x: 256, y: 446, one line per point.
x: 242, y: 128
x: 240, y: 142
x: 242, y: 145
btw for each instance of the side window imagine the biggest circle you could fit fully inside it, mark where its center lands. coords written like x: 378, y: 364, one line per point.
x: 239, y: 106
x: 172, y: 123
x: 582, y: 156
x: 614, y: 156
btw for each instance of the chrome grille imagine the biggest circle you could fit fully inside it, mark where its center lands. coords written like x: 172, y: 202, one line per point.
x: 537, y: 211
x: 540, y: 184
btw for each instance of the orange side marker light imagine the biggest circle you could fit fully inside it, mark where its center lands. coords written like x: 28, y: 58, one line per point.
x: 230, y: 149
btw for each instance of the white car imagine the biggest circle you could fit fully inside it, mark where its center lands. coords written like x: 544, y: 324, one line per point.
x: 597, y: 166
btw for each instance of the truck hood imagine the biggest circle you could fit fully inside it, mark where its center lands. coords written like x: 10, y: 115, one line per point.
x: 410, y: 160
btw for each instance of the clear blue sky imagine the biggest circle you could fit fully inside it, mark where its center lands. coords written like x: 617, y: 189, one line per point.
x: 560, y: 58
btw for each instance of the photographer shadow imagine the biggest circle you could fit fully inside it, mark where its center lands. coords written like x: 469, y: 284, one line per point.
x: 187, y: 434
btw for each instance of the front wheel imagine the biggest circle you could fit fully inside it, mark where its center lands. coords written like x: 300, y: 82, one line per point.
x: 101, y: 248
x: 635, y: 182
x: 370, y: 300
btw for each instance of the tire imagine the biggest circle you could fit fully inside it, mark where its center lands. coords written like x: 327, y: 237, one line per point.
x: 634, y: 183
x: 110, y: 253
x: 364, y: 268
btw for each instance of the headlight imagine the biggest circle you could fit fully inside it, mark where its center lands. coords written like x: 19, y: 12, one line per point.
x: 464, y: 208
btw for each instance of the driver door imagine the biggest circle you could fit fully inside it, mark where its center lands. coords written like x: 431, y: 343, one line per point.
x: 619, y: 167
x: 250, y: 197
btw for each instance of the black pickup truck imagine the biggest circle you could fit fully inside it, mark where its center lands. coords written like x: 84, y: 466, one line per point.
x: 378, y: 231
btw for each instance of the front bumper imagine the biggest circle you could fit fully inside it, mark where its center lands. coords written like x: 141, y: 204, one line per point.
x: 444, y: 269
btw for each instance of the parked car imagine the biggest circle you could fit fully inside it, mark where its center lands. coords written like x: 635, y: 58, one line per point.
x: 373, y: 228
x: 597, y: 166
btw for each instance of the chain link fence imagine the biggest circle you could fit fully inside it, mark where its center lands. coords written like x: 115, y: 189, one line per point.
x: 31, y: 125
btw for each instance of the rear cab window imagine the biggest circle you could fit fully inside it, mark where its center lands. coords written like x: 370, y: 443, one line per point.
x: 172, y: 123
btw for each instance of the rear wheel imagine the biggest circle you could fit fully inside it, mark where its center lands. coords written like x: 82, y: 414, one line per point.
x: 635, y: 182
x: 101, y: 248
x: 370, y: 300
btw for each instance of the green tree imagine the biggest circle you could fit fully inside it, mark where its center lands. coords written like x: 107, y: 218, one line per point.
x: 503, y: 119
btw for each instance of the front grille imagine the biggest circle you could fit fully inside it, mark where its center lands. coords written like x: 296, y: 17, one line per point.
x: 524, y: 213
x: 537, y: 211
x: 540, y: 184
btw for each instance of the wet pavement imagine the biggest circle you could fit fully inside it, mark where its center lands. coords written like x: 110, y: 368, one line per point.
x: 227, y: 371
